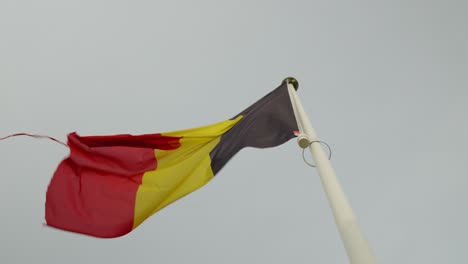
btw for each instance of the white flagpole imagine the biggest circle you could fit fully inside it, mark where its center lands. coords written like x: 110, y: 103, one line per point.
x: 356, y: 245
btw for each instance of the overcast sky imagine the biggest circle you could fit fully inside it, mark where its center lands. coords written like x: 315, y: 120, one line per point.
x: 384, y: 82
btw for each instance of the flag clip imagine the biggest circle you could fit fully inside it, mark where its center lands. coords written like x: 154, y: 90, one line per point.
x: 303, y: 141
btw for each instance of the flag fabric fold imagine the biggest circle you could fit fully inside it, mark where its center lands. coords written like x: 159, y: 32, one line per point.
x: 109, y: 185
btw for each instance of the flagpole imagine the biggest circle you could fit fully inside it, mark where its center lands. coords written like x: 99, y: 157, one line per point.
x: 355, y: 243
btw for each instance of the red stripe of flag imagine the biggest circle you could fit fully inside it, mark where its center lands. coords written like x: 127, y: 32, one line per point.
x: 93, y: 191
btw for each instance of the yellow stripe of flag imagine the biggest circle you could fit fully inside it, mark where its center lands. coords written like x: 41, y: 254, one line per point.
x: 180, y: 171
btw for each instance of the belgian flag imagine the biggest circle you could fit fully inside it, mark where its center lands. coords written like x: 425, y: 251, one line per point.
x: 109, y: 185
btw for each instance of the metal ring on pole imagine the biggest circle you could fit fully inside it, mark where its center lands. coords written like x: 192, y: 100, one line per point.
x: 321, y: 142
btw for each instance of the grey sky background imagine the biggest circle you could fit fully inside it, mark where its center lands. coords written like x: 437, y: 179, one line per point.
x: 384, y: 82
